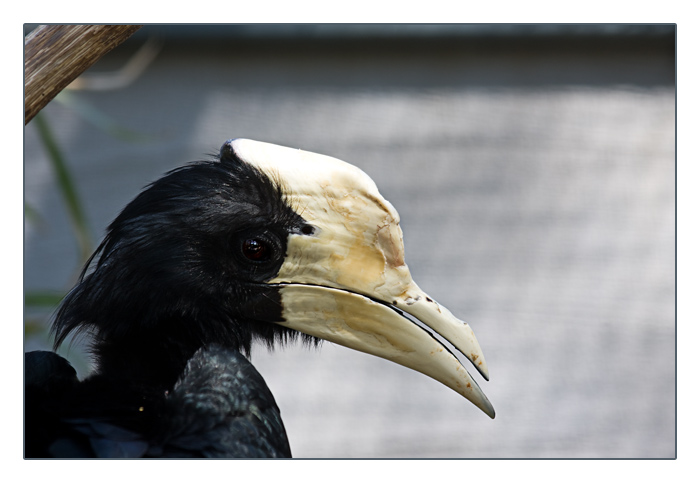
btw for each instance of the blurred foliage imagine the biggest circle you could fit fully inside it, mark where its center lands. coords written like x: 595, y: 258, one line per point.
x: 99, y: 119
x: 39, y: 304
x: 66, y: 187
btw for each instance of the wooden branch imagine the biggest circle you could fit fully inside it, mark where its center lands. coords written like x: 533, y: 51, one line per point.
x: 54, y: 55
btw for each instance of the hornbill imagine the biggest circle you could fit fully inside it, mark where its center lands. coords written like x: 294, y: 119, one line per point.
x: 264, y: 243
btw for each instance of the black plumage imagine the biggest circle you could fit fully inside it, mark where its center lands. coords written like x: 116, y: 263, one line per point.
x: 220, y: 407
x: 167, y: 299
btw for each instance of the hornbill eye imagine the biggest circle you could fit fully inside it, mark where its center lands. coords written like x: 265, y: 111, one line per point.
x: 256, y: 249
x: 258, y: 253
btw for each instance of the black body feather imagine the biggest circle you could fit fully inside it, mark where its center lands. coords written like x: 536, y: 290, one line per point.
x: 220, y: 407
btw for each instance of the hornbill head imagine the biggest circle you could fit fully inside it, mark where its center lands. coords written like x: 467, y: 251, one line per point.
x: 265, y: 242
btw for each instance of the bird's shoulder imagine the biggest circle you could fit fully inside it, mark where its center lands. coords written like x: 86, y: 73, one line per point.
x: 220, y: 407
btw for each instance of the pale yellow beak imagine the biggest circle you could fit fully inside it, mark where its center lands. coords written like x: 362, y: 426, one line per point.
x: 348, y: 283
x: 358, y: 322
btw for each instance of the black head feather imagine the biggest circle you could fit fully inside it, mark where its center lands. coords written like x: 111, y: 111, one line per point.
x: 181, y: 267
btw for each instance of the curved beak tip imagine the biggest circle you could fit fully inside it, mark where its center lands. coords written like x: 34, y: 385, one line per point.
x: 481, y: 367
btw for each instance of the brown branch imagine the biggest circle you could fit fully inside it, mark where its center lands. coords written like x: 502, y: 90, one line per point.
x: 54, y: 55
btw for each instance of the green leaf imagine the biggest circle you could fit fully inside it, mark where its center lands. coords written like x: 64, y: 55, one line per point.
x: 32, y: 214
x: 66, y: 187
x: 99, y: 119
x: 41, y: 298
x: 34, y: 328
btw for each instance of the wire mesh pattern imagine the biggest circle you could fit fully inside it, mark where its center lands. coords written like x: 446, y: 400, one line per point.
x: 541, y: 214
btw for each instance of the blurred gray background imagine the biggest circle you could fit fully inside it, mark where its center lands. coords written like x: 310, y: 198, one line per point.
x: 534, y: 170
